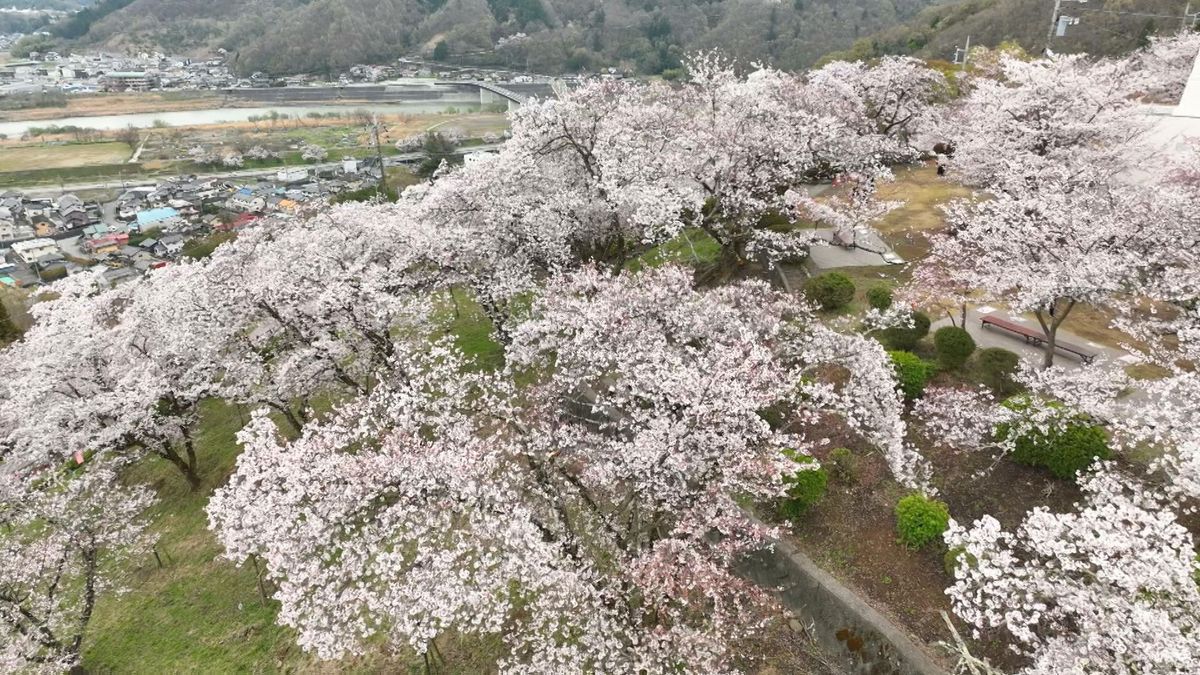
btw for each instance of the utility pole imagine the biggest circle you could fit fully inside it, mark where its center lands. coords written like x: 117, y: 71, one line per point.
x: 1186, y: 15
x: 382, y: 187
x: 966, y: 54
x: 1053, y: 24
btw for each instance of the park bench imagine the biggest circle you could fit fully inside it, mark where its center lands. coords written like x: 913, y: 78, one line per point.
x: 1037, y: 337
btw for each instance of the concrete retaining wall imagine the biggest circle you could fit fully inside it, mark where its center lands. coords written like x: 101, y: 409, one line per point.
x: 847, y: 628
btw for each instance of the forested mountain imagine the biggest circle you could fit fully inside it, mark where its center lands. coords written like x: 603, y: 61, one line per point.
x: 643, y: 36
x: 647, y: 36
x: 1104, y: 27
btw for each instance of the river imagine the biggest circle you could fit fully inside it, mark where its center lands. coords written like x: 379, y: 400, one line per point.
x: 184, y: 118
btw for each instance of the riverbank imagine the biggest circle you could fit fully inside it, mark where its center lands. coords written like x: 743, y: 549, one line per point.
x: 91, y: 105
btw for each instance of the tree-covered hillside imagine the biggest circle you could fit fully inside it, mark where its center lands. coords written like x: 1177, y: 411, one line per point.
x: 647, y: 36
x: 1105, y: 27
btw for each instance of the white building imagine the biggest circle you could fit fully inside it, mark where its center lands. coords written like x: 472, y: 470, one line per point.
x: 33, y: 250
x: 477, y: 156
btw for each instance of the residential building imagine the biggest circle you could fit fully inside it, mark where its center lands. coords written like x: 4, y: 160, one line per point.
x: 247, y: 201
x: 164, y: 218
x: 168, y: 245
x: 126, y: 81
x: 36, y: 250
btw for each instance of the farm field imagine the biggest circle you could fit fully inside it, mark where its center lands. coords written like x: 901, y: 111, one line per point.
x: 34, y: 157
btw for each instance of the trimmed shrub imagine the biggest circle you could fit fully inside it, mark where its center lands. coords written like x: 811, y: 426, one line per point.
x: 879, y: 297
x: 1065, y: 450
x: 954, y: 346
x: 912, y: 373
x: 842, y: 465
x: 920, y: 520
x: 905, y: 339
x: 830, y: 291
x: 997, y: 370
x: 806, y: 487
x: 952, y: 556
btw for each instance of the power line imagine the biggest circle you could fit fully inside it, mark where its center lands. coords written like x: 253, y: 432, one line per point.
x: 1114, y: 11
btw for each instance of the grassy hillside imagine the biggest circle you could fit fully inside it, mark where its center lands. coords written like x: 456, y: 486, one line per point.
x: 201, y: 613
x: 935, y: 32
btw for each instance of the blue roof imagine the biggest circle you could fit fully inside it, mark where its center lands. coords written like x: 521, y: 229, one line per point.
x: 245, y: 192
x: 151, y: 216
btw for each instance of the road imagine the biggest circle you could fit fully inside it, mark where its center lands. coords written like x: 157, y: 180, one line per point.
x: 51, y: 190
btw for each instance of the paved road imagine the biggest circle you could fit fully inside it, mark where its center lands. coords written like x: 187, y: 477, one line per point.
x: 989, y: 337
x: 45, y: 190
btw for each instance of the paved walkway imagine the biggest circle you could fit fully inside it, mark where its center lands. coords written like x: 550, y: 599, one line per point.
x: 994, y: 337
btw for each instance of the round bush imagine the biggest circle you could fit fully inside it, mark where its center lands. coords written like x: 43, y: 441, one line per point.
x: 830, y: 291
x: 899, y: 337
x: 997, y: 369
x: 953, y: 556
x: 879, y: 297
x: 1064, y: 450
x: 912, y: 373
x: 805, y: 488
x: 954, y: 346
x: 843, y: 466
x: 920, y: 520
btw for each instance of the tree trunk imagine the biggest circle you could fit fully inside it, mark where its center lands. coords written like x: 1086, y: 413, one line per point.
x: 89, y: 598
x: 1060, y: 308
x: 190, y: 448
x: 167, y: 453
x: 497, y: 316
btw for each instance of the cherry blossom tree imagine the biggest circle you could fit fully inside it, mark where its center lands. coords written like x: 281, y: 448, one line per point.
x: 587, y: 517
x: 1062, y: 115
x: 313, y: 153
x: 63, y: 543
x: 1161, y: 69
x: 82, y: 388
x: 260, y: 153
x: 1108, y: 588
x: 1049, y: 249
x: 892, y: 98
x: 303, y: 307
x: 751, y: 146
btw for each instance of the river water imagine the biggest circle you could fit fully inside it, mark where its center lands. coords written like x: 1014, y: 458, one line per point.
x: 183, y: 118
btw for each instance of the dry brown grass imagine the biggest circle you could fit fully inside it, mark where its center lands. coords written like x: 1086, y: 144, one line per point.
x: 28, y: 157
x: 115, y: 104
x: 920, y: 188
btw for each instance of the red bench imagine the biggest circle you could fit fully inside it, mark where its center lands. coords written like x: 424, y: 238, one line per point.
x: 1037, y: 337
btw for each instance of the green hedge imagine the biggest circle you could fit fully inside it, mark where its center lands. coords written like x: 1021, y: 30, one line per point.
x: 997, y: 369
x: 1065, y: 450
x: 879, y: 297
x: 830, y: 291
x: 805, y: 488
x: 906, y: 339
x: 912, y: 373
x: 954, y: 346
x: 920, y: 520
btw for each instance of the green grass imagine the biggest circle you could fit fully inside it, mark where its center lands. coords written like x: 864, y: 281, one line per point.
x: 105, y: 172
x: 691, y: 247
x: 458, y: 314
x: 199, y: 613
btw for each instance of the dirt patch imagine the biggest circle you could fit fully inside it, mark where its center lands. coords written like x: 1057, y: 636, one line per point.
x: 851, y: 532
